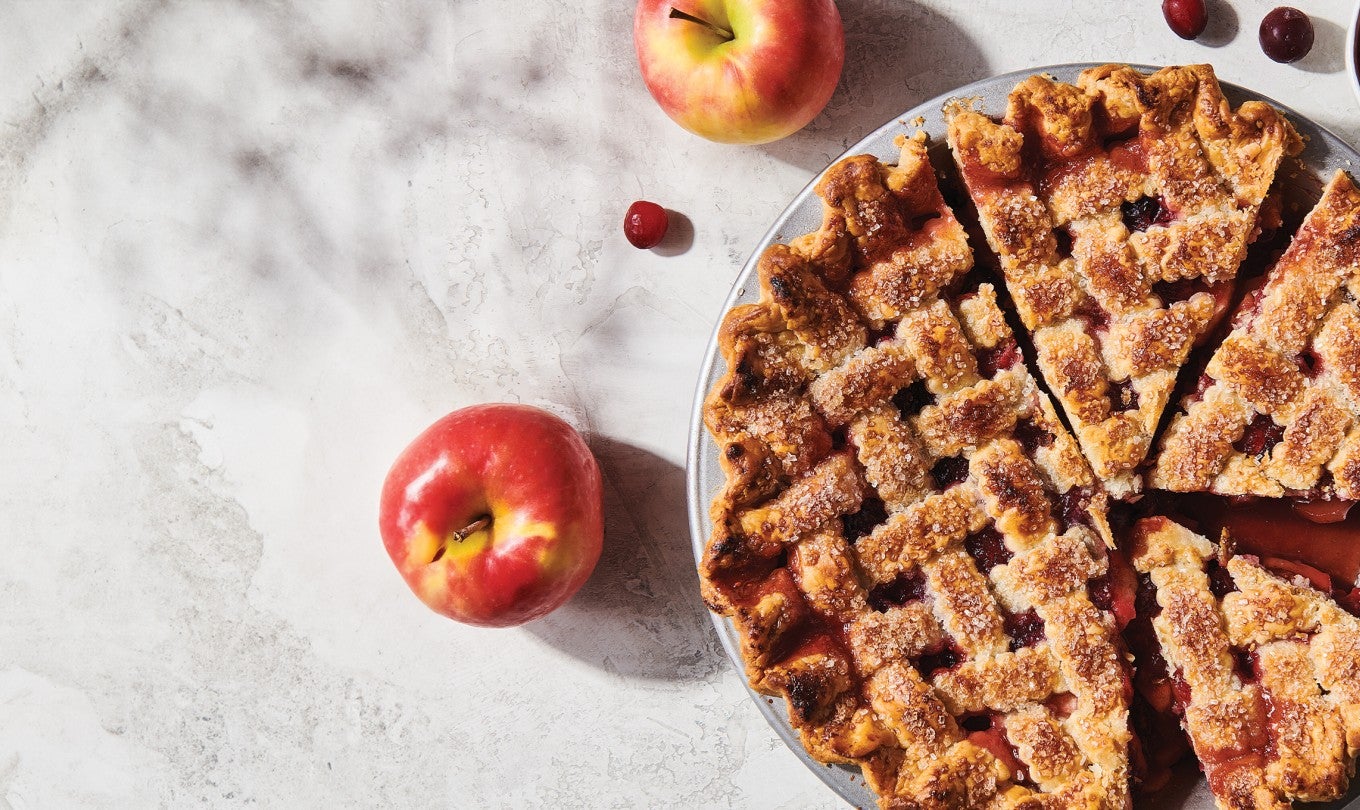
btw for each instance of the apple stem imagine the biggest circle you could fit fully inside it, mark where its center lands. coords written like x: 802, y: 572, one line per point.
x: 677, y: 14
x: 471, y: 529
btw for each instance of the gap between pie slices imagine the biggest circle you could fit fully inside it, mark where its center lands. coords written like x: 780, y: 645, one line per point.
x: 909, y: 543
x: 1120, y: 209
x: 913, y: 549
x: 1277, y: 411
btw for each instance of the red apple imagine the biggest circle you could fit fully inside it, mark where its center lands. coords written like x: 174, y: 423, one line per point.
x: 740, y: 71
x: 493, y: 514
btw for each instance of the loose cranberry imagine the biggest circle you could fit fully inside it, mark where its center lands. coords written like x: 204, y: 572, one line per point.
x: 949, y: 471
x: 1145, y: 212
x: 1286, y: 34
x: 988, y: 548
x: 1187, y: 18
x: 645, y: 224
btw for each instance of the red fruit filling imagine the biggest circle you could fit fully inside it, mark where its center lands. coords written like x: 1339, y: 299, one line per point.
x: 988, y: 549
x: 1144, y: 212
x: 906, y: 588
x: 948, y: 472
x: 1260, y: 436
x: 1001, y: 356
x: 871, y: 513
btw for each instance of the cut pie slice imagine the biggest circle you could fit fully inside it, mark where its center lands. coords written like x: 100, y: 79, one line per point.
x: 1120, y: 209
x: 909, y: 543
x: 1264, y: 669
x: 1277, y: 412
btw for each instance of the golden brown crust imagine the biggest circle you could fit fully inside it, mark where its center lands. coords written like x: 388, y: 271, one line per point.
x: 1260, y: 670
x: 852, y: 386
x: 1068, y: 161
x: 1279, y: 405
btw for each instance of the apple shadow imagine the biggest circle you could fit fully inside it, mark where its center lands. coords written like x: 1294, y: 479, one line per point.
x: 886, y: 73
x: 639, y: 615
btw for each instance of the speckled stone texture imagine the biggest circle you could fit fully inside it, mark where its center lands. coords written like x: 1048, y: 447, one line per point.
x: 248, y: 250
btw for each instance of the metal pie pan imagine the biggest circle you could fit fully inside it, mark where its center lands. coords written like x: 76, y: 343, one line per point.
x: 1302, y: 182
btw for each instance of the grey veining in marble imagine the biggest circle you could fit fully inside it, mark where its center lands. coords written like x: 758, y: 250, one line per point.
x: 248, y: 250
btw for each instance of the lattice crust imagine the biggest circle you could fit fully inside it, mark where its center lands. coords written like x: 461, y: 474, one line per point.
x: 1269, y: 675
x: 907, y: 532
x: 1120, y: 209
x: 1278, y: 410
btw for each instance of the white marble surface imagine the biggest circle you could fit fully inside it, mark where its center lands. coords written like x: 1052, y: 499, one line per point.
x: 248, y: 250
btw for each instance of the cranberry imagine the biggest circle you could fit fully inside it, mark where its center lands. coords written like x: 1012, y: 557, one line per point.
x: 870, y: 514
x: 1286, y: 34
x: 949, y: 471
x: 1145, y: 212
x: 946, y: 659
x: 912, y: 399
x: 1025, y: 629
x: 1123, y: 397
x: 1221, y: 582
x: 988, y: 548
x: 1031, y: 436
x: 1187, y: 18
x: 1261, y: 435
x: 645, y: 224
x: 1001, y: 356
x: 906, y: 588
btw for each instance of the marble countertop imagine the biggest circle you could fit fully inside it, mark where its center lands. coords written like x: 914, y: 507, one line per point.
x: 247, y: 251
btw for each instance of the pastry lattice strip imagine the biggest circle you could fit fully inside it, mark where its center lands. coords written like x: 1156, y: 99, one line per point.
x: 1278, y: 409
x: 1120, y: 208
x: 1270, y: 672
x: 882, y: 447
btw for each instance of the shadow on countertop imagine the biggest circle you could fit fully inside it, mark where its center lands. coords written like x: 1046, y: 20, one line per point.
x: 639, y: 615
x: 897, y: 54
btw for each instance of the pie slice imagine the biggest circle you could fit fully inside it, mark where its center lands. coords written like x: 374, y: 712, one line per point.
x: 909, y: 543
x: 1264, y: 669
x: 1120, y: 209
x: 1277, y: 412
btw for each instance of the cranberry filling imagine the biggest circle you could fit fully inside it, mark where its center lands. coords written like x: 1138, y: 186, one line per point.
x: 1145, y: 212
x: 840, y: 439
x: 949, y: 471
x: 1064, y: 240
x: 871, y: 513
x: 1097, y: 319
x: 1244, y: 664
x: 906, y: 588
x: 912, y: 399
x: 945, y: 659
x: 1074, y: 508
x: 1001, y: 356
x: 1123, y: 397
x: 1025, y: 629
x: 886, y: 332
x: 1220, y: 581
x: 1031, y: 436
x: 988, y: 549
x: 1145, y: 602
x: 976, y: 722
x: 1261, y: 435
x: 1309, y: 363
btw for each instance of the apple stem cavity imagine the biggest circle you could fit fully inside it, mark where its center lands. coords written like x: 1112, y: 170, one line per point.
x: 461, y: 535
x: 677, y: 14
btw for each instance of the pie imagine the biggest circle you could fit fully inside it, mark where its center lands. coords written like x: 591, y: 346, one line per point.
x: 950, y: 588
x: 1277, y: 411
x: 907, y: 533
x: 1264, y: 669
x: 1120, y: 209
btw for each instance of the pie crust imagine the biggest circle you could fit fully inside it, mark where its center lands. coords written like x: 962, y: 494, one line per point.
x: 1120, y: 209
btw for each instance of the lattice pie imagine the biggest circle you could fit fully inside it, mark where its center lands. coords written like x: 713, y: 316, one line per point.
x: 918, y: 555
